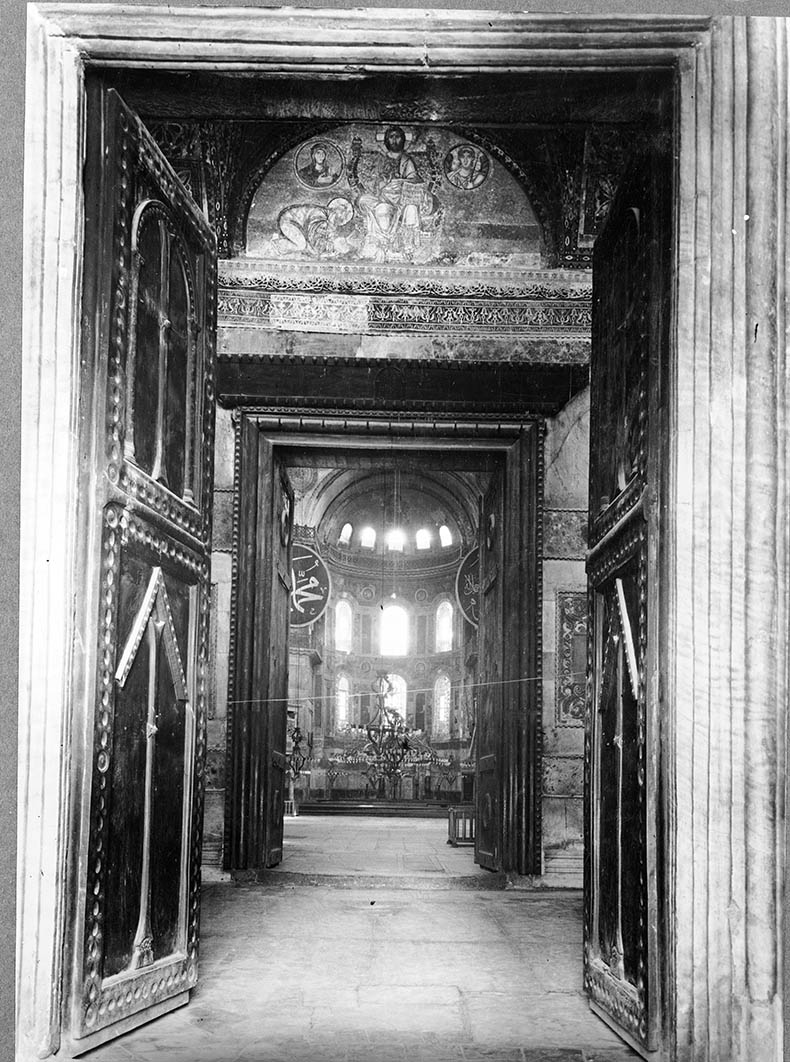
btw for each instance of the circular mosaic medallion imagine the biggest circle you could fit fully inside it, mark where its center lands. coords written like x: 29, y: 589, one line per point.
x: 367, y: 593
x: 318, y: 164
x: 466, y: 166
x: 421, y: 594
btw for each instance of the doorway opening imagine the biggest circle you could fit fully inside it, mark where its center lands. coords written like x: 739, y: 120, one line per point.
x: 390, y: 707
x: 383, y: 670
x: 411, y: 226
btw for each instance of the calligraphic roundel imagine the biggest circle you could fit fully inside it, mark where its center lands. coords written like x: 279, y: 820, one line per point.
x: 467, y: 586
x: 310, y: 586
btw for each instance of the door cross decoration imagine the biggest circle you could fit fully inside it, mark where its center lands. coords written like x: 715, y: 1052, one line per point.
x: 154, y: 623
x: 163, y: 320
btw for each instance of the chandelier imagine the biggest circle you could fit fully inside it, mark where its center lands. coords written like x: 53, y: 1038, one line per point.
x: 385, y: 746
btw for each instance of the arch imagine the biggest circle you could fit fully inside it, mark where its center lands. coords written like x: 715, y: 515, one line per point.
x: 442, y: 692
x: 256, y: 174
x: 159, y: 418
x: 394, y: 631
x: 525, y: 172
x: 445, y: 615
x: 344, y: 626
x: 396, y: 540
x: 342, y: 700
x: 345, y: 534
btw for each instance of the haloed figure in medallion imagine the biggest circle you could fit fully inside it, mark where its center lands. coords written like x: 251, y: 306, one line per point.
x: 319, y: 172
x: 465, y: 167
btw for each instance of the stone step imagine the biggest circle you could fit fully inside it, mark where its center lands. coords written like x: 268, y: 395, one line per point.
x: 486, y: 881
x: 411, y: 810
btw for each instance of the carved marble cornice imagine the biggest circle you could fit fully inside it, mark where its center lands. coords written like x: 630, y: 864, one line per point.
x: 371, y: 300
x: 524, y: 280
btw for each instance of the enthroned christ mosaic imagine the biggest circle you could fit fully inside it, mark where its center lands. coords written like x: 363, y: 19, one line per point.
x: 392, y: 193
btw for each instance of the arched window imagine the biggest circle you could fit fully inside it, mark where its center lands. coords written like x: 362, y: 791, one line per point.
x: 344, y: 620
x: 394, y: 631
x: 342, y: 701
x: 441, y: 706
x: 396, y: 699
x: 345, y: 535
x: 396, y: 540
x: 423, y: 538
x: 444, y: 627
x: 445, y: 535
x: 367, y: 538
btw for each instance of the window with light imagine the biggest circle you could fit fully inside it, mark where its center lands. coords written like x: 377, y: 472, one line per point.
x: 396, y: 699
x: 396, y: 540
x: 342, y: 701
x: 367, y: 538
x: 423, y: 538
x: 394, y: 631
x: 445, y: 535
x: 345, y: 535
x: 441, y: 706
x: 344, y: 622
x: 444, y: 627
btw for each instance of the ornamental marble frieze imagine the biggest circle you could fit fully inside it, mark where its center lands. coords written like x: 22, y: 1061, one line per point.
x: 571, y: 608
x: 538, y: 304
x: 372, y: 315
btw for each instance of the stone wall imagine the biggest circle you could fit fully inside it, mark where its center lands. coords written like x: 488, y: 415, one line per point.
x: 564, y: 640
x: 214, y: 811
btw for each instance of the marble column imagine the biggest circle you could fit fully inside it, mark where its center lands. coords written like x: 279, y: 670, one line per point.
x: 727, y: 559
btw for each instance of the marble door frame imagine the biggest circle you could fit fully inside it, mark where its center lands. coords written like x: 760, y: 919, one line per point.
x: 724, y: 614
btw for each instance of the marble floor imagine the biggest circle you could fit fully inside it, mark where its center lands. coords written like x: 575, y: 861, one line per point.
x: 377, y: 942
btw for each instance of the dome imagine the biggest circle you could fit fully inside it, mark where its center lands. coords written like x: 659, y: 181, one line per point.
x: 392, y: 512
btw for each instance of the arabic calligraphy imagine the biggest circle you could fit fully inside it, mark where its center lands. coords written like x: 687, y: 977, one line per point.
x: 310, y: 586
x: 467, y: 586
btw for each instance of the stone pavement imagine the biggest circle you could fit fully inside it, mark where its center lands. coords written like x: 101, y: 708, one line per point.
x: 338, y: 972
x: 344, y: 850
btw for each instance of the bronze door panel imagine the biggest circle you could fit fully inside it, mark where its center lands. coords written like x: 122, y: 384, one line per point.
x: 147, y: 415
x: 631, y: 312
